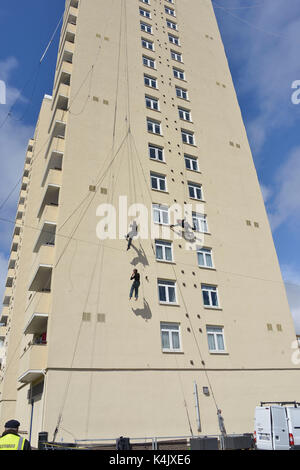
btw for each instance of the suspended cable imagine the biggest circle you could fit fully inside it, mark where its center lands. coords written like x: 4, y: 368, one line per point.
x: 251, y: 25
x: 9, y: 113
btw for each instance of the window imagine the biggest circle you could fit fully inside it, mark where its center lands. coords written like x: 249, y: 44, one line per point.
x: 146, y: 1
x: 195, y: 191
x: 170, y: 1
x: 152, y: 103
x: 170, y: 337
x: 210, y: 295
x: 184, y: 114
x: 148, y: 62
x: 158, y: 182
x: 163, y: 250
x: 215, y: 338
x: 181, y: 93
x: 170, y: 11
x: 147, y: 44
x: 187, y: 137
x: 191, y: 163
x: 156, y: 153
x: 145, y: 13
x: 174, y: 39
x: 150, y: 81
x: 176, y: 56
x: 205, y: 258
x: 178, y: 74
x: 153, y: 126
x: 146, y: 27
x: 166, y: 291
x: 160, y: 214
x: 172, y: 25
x: 200, y: 222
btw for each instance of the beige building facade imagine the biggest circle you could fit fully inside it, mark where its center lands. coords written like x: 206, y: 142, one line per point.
x: 143, y: 108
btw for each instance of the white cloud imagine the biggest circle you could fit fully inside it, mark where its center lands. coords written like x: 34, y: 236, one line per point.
x: 268, y: 38
x: 285, y: 205
x: 14, y: 137
x: 266, y: 192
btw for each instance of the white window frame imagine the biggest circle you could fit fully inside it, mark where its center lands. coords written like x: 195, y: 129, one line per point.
x: 183, y: 93
x: 152, y: 103
x: 176, y: 56
x: 153, y: 126
x: 146, y: 44
x: 200, y: 222
x: 162, y: 211
x: 214, y: 332
x: 184, y: 114
x: 171, y: 329
x: 148, y: 61
x: 209, y: 289
x: 170, y: 11
x: 164, y: 245
x: 145, y: 13
x: 167, y: 284
x: 172, y: 25
x: 160, y: 182
x: 188, y: 137
x: 206, y: 254
x: 190, y: 161
x: 195, y: 191
x: 152, y: 81
x: 177, y: 73
x: 147, y: 28
x: 174, y: 39
x: 157, y: 149
x: 146, y: 1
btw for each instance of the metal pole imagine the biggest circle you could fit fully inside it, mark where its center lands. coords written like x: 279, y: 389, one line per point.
x: 31, y: 419
x: 197, y: 407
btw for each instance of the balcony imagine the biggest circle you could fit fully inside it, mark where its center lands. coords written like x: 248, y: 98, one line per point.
x: 10, y: 278
x: 50, y: 198
x: 7, y: 296
x: 28, y: 157
x: 49, y: 216
x: 4, y: 313
x: 13, y: 258
x: 39, y: 304
x: 61, y: 98
x: 3, y: 330
x: 37, y: 324
x: 42, y: 269
x: 30, y: 145
x: 33, y: 362
x: 46, y: 236
x: 53, y: 177
x: 58, y: 123
x: 64, y: 73
x: 72, y: 15
x: 54, y: 165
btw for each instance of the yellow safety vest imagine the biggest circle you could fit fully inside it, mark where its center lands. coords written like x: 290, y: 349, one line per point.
x: 12, y: 442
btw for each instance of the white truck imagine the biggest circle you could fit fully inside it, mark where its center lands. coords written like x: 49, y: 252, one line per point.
x: 277, y: 426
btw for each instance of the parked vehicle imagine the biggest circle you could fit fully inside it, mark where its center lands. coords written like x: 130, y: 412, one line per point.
x: 277, y: 426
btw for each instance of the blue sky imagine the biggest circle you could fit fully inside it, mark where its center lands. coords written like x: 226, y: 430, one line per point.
x: 261, y: 40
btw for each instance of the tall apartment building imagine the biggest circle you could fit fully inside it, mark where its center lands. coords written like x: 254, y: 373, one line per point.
x: 143, y: 106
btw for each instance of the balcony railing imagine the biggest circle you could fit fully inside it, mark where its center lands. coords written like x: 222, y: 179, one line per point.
x: 42, y: 269
x: 40, y: 303
x: 33, y: 362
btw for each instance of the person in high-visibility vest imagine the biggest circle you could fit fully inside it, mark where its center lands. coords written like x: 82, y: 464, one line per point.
x: 10, y: 439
